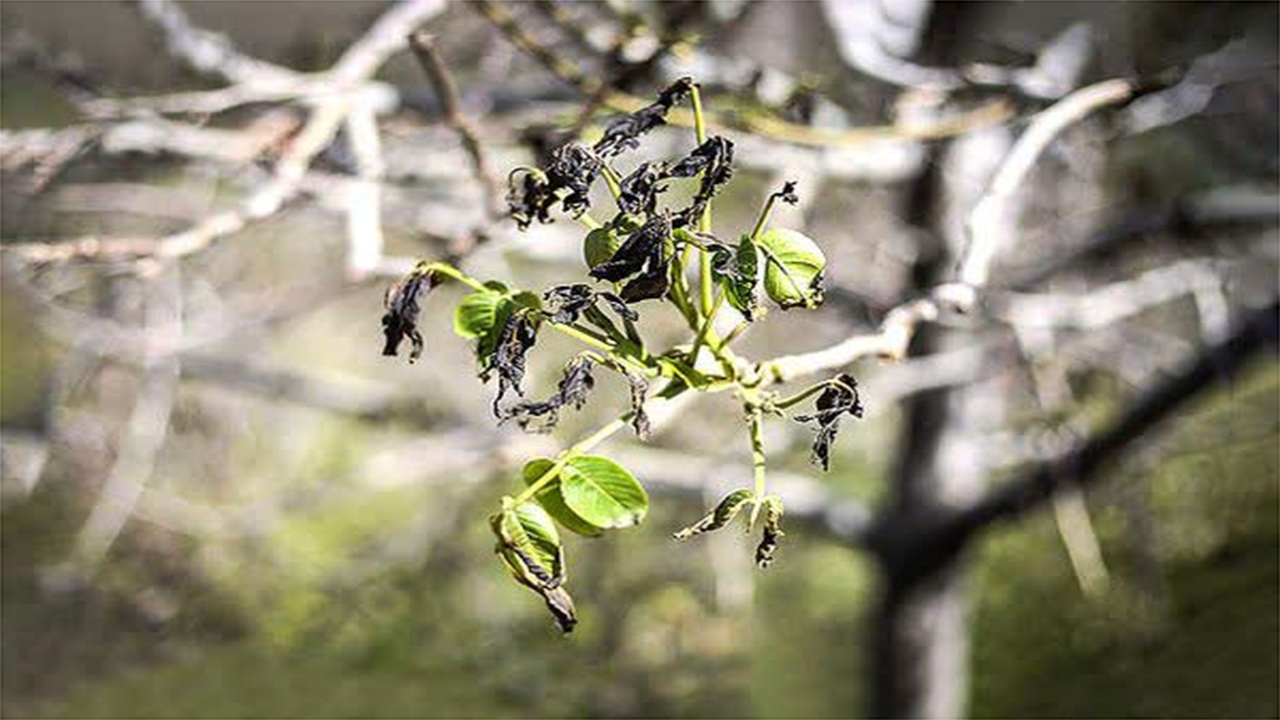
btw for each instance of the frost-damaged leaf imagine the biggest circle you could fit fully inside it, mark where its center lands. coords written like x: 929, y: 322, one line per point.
x: 531, y: 193
x: 569, y: 302
x: 623, y: 133
x: 529, y: 546
x: 574, y: 388
x: 714, y: 159
x: 638, y: 192
x: 644, y: 252
x: 602, y: 492
x: 838, y: 398
x: 772, y: 531
x: 722, y: 515
x: 639, y: 418
x: 788, y: 193
x: 517, y: 337
x: 738, y: 273
x: 404, y: 303
x: 529, y: 196
x: 793, y: 268
x: 551, y: 500
x: 573, y: 167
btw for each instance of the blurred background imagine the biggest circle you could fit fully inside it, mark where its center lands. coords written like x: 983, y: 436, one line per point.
x: 219, y: 499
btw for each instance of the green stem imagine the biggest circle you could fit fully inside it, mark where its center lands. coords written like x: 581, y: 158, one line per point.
x: 452, y: 272
x: 705, y: 287
x: 764, y: 217
x: 612, y: 179
x: 757, y: 462
x: 588, y: 222
x: 801, y: 396
x: 583, y: 335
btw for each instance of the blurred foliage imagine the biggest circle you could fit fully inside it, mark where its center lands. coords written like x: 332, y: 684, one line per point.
x: 299, y: 630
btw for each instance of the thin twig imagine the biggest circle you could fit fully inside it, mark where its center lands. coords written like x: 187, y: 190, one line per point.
x: 424, y: 48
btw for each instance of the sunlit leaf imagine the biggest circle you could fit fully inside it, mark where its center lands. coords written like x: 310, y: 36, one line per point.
x: 793, y: 268
x: 722, y: 515
x: 603, y: 493
x: 552, y: 501
x: 478, y: 311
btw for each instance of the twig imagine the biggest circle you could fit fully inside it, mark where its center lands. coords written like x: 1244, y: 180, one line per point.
x: 990, y: 214
x: 1082, y: 465
x: 424, y: 47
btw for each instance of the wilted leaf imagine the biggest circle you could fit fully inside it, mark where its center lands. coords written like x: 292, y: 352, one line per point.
x: 838, y: 398
x: 573, y: 390
x: 793, y: 268
x: 722, y: 515
x: 622, y: 133
x: 772, y: 531
x: 602, y: 492
x: 738, y: 273
x: 404, y: 303
x: 529, y: 546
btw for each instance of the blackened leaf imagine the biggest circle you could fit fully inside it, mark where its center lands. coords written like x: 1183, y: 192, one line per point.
x: 714, y: 159
x: 639, y: 418
x: 652, y: 284
x: 641, y: 247
x: 403, y: 304
x: 772, y: 531
x: 478, y: 311
x: 552, y: 501
x: 529, y: 196
x: 722, y: 515
x: 602, y: 492
x: 793, y: 268
x: 599, y: 245
x: 619, y: 306
x: 516, y: 339
x: 623, y: 133
x: 568, y: 301
x: 840, y: 397
x: 573, y: 391
x: 572, y: 169
x: 639, y: 191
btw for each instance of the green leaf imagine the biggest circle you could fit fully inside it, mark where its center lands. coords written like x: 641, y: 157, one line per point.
x: 552, y: 501
x: 478, y: 311
x: 793, y: 268
x: 530, y: 544
x: 602, y: 492
x: 599, y: 245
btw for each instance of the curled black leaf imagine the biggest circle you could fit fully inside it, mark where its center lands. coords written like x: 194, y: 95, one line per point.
x: 838, y: 398
x: 518, y: 336
x: 560, y: 603
x: 644, y: 252
x: 638, y: 192
x: 573, y: 167
x: 639, y: 419
x: 772, y: 531
x: 573, y: 391
x: 623, y: 133
x: 619, y: 306
x: 568, y: 301
x: 722, y: 515
x: 714, y: 159
x: 529, y: 196
x: 788, y: 193
x: 404, y: 303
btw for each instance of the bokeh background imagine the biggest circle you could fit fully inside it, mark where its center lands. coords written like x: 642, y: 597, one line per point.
x: 220, y: 500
